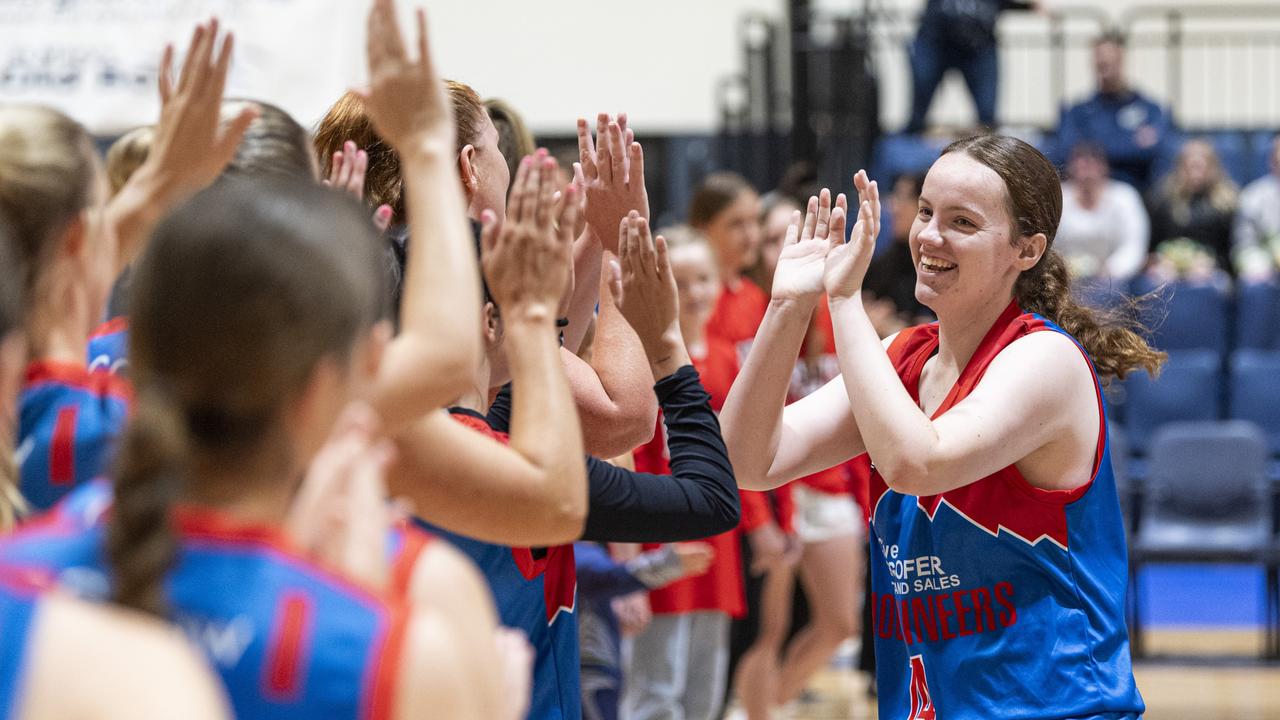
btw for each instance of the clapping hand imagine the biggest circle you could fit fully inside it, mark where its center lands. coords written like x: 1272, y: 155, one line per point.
x: 613, y: 170
x: 192, y: 145
x: 801, y: 263
x: 347, y: 171
x: 406, y: 98
x: 846, y: 263
x: 528, y: 258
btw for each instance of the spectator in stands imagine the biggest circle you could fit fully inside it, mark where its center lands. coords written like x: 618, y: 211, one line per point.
x: 1197, y: 201
x: 959, y: 35
x: 1256, y: 235
x: 891, y: 279
x: 1104, y: 230
x: 1129, y: 126
x: 775, y: 215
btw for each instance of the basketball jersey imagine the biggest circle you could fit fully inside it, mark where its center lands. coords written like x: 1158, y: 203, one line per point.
x: 999, y: 599
x: 288, y: 638
x: 18, y: 604
x: 109, y: 347
x: 535, y: 590
x: 68, y: 421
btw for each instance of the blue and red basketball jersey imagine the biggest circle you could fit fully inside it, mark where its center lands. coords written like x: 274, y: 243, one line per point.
x: 18, y: 604
x: 109, y: 347
x: 535, y: 590
x: 288, y: 638
x: 68, y: 422
x: 999, y: 599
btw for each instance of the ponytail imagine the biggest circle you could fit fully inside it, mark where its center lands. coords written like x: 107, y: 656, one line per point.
x: 1110, y: 337
x: 150, y: 472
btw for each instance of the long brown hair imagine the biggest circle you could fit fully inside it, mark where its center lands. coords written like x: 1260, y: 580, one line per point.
x: 1034, y: 193
x: 240, y: 294
x: 348, y: 120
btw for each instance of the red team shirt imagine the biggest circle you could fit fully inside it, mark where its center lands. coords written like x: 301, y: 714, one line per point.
x: 720, y: 588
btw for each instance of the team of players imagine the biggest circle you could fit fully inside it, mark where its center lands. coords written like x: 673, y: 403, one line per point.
x: 235, y: 483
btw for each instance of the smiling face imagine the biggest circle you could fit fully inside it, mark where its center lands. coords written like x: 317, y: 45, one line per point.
x: 962, y: 239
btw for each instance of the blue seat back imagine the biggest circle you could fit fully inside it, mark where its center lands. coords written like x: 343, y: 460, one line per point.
x: 1254, y: 393
x: 1258, y: 316
x: 1211, y: 474
x: 1189, y: 388
x: 1187, y: 316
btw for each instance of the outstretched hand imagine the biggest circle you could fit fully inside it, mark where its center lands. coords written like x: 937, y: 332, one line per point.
x: 528, y: 257
x: 846, y: 263
x: 192, y: 145
x: 613, y: 171
x: 799, y: 273
x: 406, y: 98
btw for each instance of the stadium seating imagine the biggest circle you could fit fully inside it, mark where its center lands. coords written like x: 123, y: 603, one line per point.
x: 1194, y: 511
x: 1189, y: 388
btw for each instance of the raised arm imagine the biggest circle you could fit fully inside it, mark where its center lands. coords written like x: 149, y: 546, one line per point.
x: 699, y: 497
x: 191, y: 145
x: 533, y: 491
x: 1037, y: 400
x: 433, y: 359
x: 772, y: 443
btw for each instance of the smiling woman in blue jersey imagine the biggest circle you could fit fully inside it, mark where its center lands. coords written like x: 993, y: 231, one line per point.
x: 998, y: 556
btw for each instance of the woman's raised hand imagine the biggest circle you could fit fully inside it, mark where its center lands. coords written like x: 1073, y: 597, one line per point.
x: 528, y: 258
x: 406, y: 98
x: 613, y: 170
x: 846, y: 263
x: 192, y: 144
x: 644, y: 288
x: 347, y: 171
x: 800, y: 267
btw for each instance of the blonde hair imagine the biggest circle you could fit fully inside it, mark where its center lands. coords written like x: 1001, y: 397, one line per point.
x: 127, y: 154
x: 1222, y: 190
x: 47, y: 173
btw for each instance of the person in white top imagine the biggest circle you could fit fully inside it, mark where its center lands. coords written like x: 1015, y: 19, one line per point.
x: 1105, y: 231
x: 1257, y: 223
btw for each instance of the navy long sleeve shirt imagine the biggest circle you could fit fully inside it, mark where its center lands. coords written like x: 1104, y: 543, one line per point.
x: 697, y: 500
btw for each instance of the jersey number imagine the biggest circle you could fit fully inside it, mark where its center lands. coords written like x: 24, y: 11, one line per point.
x: 921, y: 701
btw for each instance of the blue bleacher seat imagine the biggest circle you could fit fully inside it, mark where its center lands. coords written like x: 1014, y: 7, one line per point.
x: 1258, y: 316
x: 1187, y: 316
x: 1189, y: 388
x: 1260, y: 144
x: 1205, y: 500
x: 1255, y: 392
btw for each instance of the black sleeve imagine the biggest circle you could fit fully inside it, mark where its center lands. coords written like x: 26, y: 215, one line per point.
x: 1017, y: 5
x: 499, y: 415
x: 697, y: 500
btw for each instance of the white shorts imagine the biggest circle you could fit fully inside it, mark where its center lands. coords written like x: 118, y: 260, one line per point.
x: 822, y: 516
